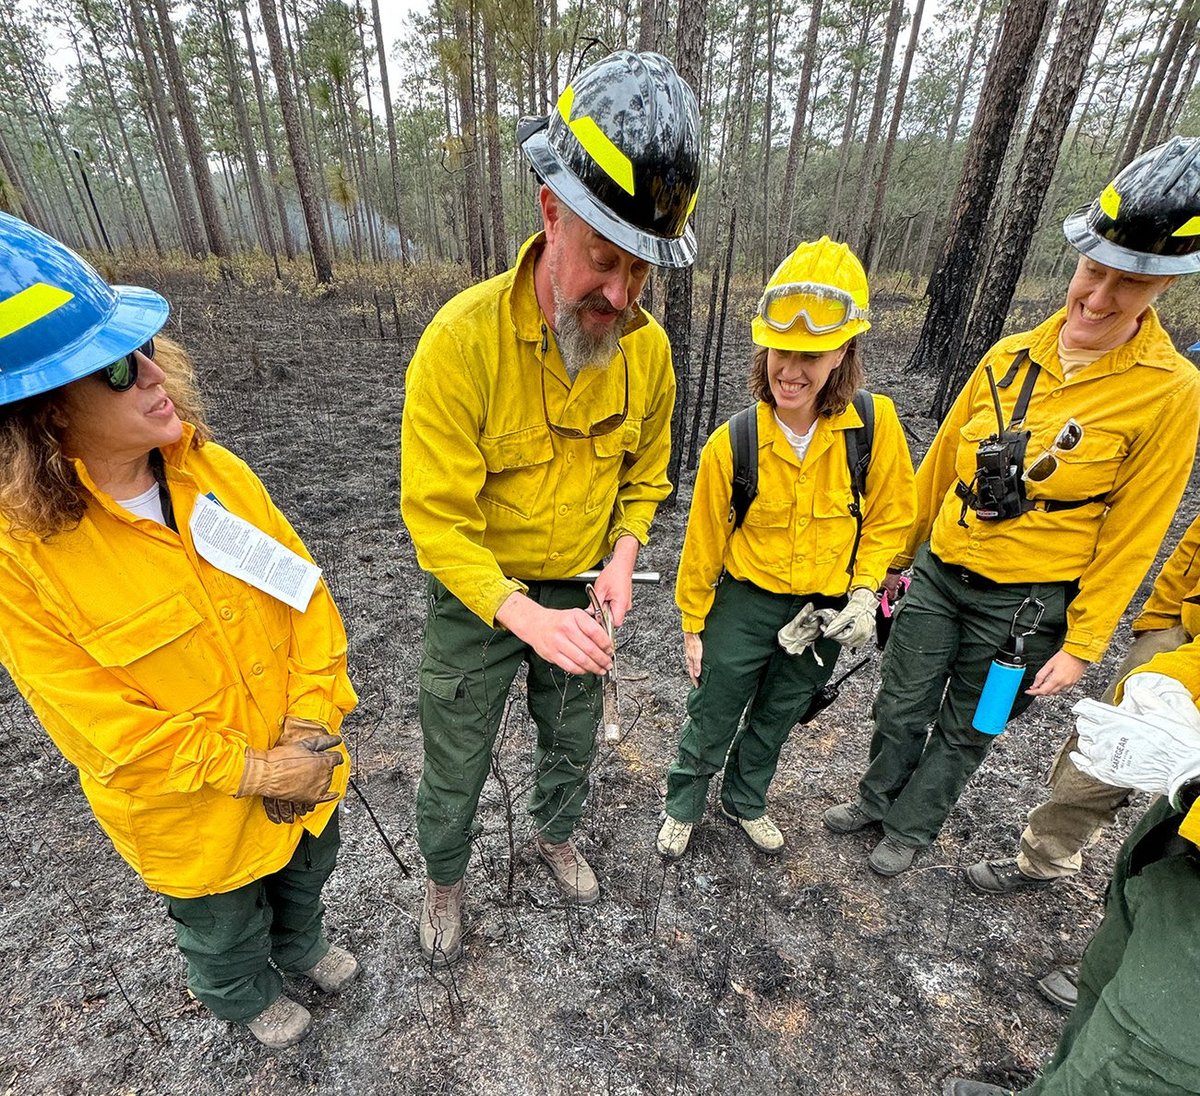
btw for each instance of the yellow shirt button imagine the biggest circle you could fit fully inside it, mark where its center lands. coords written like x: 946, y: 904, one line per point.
x: 226, y: 613
x: 257, y: 669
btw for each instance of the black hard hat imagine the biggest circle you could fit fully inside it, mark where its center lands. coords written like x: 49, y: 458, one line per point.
x: 1147, y: 220
x: 622, y: 151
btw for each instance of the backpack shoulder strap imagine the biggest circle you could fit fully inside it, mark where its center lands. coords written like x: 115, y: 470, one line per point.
x: 858, y: 458
x: 743, y: 439
x: 859, y: 441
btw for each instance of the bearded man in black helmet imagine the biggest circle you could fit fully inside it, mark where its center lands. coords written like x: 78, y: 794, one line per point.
x: 535, y: 442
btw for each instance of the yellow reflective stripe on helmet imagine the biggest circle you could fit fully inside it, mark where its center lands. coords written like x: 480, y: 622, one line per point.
x: 611, y: 160
x: 1190, y: 227
x: 1110, y: 201
x: 692, y: 203
x: 29, y: 306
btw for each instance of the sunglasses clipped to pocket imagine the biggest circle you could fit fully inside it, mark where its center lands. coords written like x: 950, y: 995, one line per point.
x: 1043, y: 468
x: 122, y: 374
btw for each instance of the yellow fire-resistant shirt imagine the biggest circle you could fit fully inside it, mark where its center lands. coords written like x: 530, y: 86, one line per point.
x: 799, y: 530
x: 153, y: 671
x: 490, y: 494
x: 1175, y: 598
x: 1139, y: 407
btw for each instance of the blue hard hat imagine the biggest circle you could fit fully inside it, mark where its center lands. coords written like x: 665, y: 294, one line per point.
x: 59, y: 319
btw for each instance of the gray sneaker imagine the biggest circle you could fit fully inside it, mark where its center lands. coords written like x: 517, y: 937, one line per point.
x: 1061, y: 987
x: 1002, y: 877
x: 336, y: 969
x: 282, y: 1024
x: 847, y: 818
x: 960, y: 1086
x: 889, y: 857
x: 441, y: 922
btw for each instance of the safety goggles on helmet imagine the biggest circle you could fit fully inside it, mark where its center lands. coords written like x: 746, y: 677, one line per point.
x: 122, y: 374
x: 821, y: 308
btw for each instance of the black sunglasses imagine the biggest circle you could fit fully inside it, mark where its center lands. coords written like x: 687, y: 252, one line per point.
x: 122, y: 374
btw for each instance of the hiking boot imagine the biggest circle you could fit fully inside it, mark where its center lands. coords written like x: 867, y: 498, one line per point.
x: 889, y: 857
x: 282, y: 1024
x: 960, y: 1086
x: 762, y: 833
x: 336, y: 969
x: 1002, y: 877
x: 847, y: 818
x: 571, y: 872
x: 441, y: 922
x: 673, y: 838
x: 1061, y: 987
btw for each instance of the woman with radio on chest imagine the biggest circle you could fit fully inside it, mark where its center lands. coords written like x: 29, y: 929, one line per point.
x: 802, y: 562
x: 1041, y: 504
x: 199, y: 702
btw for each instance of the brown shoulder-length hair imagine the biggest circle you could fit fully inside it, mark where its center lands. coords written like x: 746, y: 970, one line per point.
x: 839, y: 390
x: 40, y: 494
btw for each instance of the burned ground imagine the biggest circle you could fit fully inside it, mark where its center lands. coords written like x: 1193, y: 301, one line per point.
x: 728, y: 972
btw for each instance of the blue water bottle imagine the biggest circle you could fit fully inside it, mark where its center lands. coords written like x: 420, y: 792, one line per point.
x: 999, y: 692
x: 1004, y: 675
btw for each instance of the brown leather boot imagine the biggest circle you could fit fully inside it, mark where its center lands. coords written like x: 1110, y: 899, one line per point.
x: 282, y: 1024
x: 441, y: 922
x: 571, y: 872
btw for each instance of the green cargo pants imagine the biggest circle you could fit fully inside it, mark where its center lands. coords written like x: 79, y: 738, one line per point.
x: 937, y: 658
x: 467, y: 670
x: 231, y: 940
x: 743, y: 669
x: 1133, y: 1031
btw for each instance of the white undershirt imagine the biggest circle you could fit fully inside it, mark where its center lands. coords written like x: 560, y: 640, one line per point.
x: 798, y: 442
x: 147, y: 505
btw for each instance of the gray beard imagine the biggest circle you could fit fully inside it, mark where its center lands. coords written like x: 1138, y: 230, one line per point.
x: 580, y: 348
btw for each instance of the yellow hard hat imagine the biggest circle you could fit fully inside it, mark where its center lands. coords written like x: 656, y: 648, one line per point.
x: 816, y: 300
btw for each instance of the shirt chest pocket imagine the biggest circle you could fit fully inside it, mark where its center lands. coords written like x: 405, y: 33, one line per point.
x: 1088, y: 469
x: 769, y: 533
x: 517, y: 467
x: 613, y: 452
x: 834, y: 524
x: 163, y: 650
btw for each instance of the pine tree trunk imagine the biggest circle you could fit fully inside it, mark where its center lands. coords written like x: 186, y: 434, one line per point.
x: 466, y: 110
x: 870, y: 248
x: 799, y: 137
x: 1077, y: 35
x: 951, y: 289
x: 322, y: 261
x: 214, y: 230
x: 390, y: 118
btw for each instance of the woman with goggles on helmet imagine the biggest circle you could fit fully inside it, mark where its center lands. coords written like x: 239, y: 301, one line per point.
x: 1041, y: 503
x: 802, y: 565
x: 200, y: 709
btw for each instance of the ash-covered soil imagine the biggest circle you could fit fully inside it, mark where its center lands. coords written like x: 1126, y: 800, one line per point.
x: 725, y: 973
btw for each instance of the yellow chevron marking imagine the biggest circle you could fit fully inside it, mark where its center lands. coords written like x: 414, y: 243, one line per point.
x: 611, y: 160
x: 29, y: 306
x: 1110, y: 201
x: 1190, y: 227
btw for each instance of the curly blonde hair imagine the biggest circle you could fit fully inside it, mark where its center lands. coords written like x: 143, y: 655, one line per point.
x: 833, y: 399
x: 40, y: 494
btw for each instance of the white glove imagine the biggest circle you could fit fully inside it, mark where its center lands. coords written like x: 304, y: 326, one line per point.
x: 855, y: 624
x: 798, y: 634
x: 1150, y: 741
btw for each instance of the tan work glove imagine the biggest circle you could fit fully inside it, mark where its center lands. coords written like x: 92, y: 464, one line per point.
x: 295, y: 729
x: 300, y: 772
x: 855, y: 624
x: 801, y: 631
